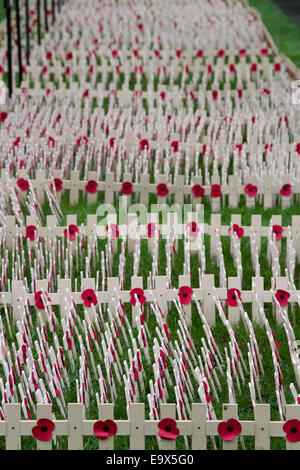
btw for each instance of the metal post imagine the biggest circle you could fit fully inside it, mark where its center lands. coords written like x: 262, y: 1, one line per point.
x: 38, y: 8
x: 46, y: 15
x: 7, y: 5
x: 19, y: 41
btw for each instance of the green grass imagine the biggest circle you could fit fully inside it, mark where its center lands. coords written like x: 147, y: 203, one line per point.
x: 286, y: 35
x: 2, y: 11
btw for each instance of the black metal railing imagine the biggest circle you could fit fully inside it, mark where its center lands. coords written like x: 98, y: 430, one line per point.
x: 15, y: 6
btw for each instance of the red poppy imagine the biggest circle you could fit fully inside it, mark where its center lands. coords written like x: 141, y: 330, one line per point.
x: 140, y: 295
x: 292, y: 430
x: 228, y: 430
x: 185, y: 294
x: 48, y: 55
x: 199, y: 53
x: 250, y: 190
x: 114, y: 231
x: 114, y: 53
x: 215, y: 190
x: 240, y: 93
x: 89, y: 297
x: 286, y: 190
x: 167, y: 428
x: 38, y: 297
x: 282, y: 297
x: 209, y: 68
x: 82, y: 139
x: 126, y: 188
x: 239, y: 231
x: 192, y: 229
x: 198, y: 191
x: 277, y: 67
x: 214, y: 94
x: 253, y: 68
x: 67, y: 70
x: 30, y: 232
x: 3, y: 116
x: 175, y: 145
x: 91, y: 186
x: 151, y: 230
x: 51, y: 142
x: 266, y: 91
x: 162, y: 189
x: 44, y: 70
x: 178, y: 53
x: 277, y: 229
x: 156, y: 52
x: 104, y: 429
x: 71, y: 232
x: 44, y: 429
x: 140, y: 26
x: 221, y: 53
x: 232, y: 68
x: 163, y: 95
x: 23, y: 184
x: 267, y: 147
x: 86, y: 93
x: 232, y: 297
x: 298, y: 148
x: 58, y: 184
x: 144, y: 144
x: 264, y: 51
x: 242, y: 52
x: 69, y: 56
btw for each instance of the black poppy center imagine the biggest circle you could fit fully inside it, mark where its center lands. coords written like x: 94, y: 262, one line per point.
x: 31, y: 232
x: 90, y: 297
x: 276, y: 231
x: 44, y: 428
x: 293, y: 430
x: 168, y: 428
x: 229, y: 428
x: 286, y: 188
x: 281, y: 296
x: 215, y: 190
x: 233, y: 296
x: 185, y: 294
x: 193, y: 229
x: 138, y: 295
x: 106, y: 428
x: 71, y: 231
x: 197, y: 190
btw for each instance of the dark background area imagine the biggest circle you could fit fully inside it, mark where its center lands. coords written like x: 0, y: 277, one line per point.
x: 291, y: 8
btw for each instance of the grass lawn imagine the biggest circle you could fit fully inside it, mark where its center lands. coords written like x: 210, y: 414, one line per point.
x: 286, y: 35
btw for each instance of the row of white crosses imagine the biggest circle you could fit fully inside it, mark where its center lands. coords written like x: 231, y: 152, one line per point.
x: 142, y: 26
x: 175, y: 73
x: 178, y: 352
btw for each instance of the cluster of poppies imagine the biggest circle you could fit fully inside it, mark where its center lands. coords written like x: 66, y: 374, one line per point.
x: 167, y: 429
